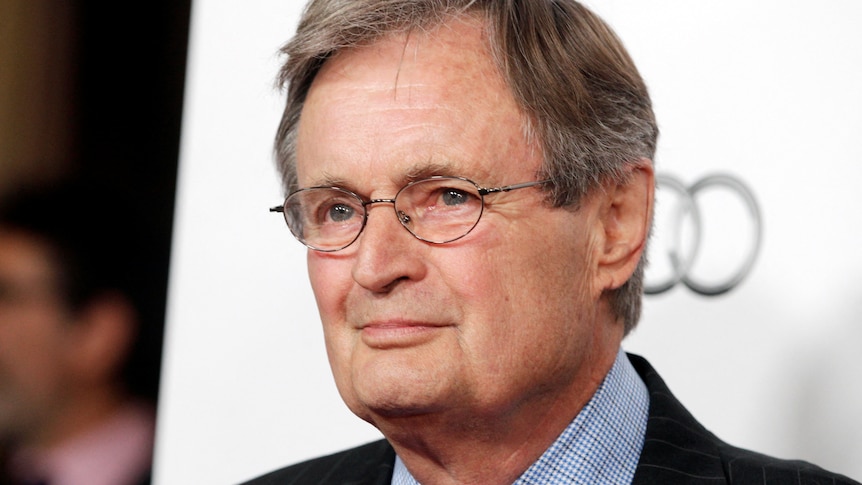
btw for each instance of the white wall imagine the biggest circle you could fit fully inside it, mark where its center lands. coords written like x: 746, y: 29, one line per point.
x: 767, y: 90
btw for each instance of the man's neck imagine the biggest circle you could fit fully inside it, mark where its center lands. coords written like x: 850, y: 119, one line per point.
x: 448, y: 448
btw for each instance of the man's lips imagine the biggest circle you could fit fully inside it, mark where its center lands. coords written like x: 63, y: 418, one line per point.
x: 399, y: 323
x: 398, y: 333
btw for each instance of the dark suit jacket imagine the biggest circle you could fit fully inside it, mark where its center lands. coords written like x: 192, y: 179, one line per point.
x: 677, y: 450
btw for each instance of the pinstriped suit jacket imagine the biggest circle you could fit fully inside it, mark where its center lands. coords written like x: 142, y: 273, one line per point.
x: 677, y: 450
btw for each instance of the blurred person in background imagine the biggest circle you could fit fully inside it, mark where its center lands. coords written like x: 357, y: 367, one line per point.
x: 78, y: 305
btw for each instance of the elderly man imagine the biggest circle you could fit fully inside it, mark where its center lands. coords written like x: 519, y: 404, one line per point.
x: 478, y: 324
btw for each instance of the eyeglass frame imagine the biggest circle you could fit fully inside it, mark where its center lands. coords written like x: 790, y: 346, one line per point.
x: 482, y: 191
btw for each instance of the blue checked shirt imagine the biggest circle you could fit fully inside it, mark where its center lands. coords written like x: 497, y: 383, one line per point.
x: 602, y: 444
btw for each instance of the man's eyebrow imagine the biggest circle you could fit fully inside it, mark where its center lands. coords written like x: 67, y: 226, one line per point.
x: 430, y: 169
x: 328, y: 180
x: 414, y: 173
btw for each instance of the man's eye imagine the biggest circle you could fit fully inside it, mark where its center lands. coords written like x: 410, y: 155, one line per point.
x: 454, y: 197
x: 340, y: 213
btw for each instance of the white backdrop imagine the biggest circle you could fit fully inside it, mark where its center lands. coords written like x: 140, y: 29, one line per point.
x: 770, y: 91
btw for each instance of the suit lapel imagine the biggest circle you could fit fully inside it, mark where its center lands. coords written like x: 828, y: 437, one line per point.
x: 372, y: 464
x: 677, y: 449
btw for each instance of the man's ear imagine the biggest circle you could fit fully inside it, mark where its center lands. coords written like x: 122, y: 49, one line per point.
x: 625, y: 220
x: 104, y: 332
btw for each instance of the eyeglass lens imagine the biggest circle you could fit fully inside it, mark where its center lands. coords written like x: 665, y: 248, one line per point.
x: 436, y: 210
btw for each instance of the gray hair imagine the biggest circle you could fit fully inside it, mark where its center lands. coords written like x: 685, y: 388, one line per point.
x: 579, y: 90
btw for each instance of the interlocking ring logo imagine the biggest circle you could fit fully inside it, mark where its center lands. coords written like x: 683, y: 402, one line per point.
x: 687, y: 231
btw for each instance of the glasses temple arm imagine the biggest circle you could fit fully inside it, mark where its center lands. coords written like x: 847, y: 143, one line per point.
x: 512, y: 187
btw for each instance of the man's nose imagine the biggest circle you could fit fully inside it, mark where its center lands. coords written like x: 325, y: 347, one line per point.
x: 386, y: 251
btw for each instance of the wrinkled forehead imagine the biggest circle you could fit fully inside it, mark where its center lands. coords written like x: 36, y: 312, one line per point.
x: 441, y: 82
x: 457, y: 51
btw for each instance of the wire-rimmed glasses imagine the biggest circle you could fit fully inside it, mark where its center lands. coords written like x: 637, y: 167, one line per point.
x: 436, y: 209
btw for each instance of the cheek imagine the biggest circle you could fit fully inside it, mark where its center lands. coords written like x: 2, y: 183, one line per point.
x: 486, y: 290
x: 330, y: 281
x: 537, y: 280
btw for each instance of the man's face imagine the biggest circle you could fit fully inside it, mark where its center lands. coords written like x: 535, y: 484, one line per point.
x: 495, y: 321
x: 34, y: 336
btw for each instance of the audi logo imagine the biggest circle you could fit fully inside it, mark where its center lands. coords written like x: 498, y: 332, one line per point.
x: 706, y: 236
